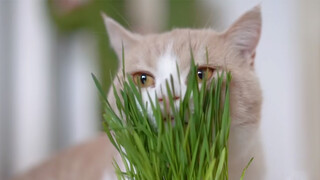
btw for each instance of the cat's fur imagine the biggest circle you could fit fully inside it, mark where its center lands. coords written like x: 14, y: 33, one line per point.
x: 158, y: 54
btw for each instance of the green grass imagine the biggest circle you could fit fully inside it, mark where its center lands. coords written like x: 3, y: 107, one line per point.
x: 197, y: 149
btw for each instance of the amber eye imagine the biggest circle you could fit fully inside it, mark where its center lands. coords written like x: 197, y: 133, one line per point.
x: 204, y: 72
x: 143, y: 79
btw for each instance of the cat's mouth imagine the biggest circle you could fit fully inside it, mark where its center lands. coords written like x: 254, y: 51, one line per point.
x: 168, y: 119
x: 172, y: 120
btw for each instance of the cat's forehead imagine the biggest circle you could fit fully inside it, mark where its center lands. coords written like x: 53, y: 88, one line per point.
x: 175, y: 45
x: 179, y: 40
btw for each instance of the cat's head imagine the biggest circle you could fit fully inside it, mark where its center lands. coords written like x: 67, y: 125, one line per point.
x: 151, y: 59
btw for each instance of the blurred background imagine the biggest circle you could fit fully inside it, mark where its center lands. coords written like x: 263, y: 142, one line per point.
x: 48, y: 48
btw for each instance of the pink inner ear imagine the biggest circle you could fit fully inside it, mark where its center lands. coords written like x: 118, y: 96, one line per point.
x: 253, y: 56
x: 244, y: 34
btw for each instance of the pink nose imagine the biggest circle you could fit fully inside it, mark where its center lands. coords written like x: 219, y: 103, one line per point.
x: 167, y: 105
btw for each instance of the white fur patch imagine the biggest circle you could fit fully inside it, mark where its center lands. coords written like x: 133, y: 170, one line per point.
x: 166, y: 67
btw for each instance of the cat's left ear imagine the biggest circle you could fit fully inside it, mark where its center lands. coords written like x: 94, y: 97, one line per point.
x: 119, y: 36
x: 244, y: 34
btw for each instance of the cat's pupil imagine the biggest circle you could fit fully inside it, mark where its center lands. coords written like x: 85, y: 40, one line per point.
x: 200, y: 74
x: 143, y: 78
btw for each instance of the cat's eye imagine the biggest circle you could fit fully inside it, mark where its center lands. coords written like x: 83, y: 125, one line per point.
x: 204, y: 72
x: 143, y: 79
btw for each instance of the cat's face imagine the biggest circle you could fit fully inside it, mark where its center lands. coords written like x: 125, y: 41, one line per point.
x: 152, y: 59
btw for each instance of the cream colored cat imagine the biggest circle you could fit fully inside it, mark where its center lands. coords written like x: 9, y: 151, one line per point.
x: 151, y: 59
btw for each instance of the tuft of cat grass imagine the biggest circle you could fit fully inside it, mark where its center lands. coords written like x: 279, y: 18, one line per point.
x: 195, y: 147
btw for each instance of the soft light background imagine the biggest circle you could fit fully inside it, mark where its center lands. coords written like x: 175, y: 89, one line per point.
x: 48, y: 100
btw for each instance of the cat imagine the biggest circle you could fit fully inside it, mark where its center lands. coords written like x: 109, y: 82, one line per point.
x: 151, y: 59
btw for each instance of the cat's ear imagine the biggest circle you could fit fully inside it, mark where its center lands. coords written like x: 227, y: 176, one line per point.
x: 119, y: 36
x: 244, y: 34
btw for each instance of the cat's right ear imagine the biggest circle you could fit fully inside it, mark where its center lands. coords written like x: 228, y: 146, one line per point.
x: 119, y: 37
x: 244, y: 34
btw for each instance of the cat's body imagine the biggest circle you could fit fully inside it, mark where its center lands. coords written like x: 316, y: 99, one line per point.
x: 152, y: 59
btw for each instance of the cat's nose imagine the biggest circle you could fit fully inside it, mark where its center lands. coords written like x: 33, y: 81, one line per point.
x: 166, y: 104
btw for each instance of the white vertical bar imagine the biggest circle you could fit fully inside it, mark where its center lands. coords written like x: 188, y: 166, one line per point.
x: 31, y: 84
x: 83, y: 110
x: 2, y: 92
x: 278, y: 69
x: 309, y: 28
x: 5, y: 89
